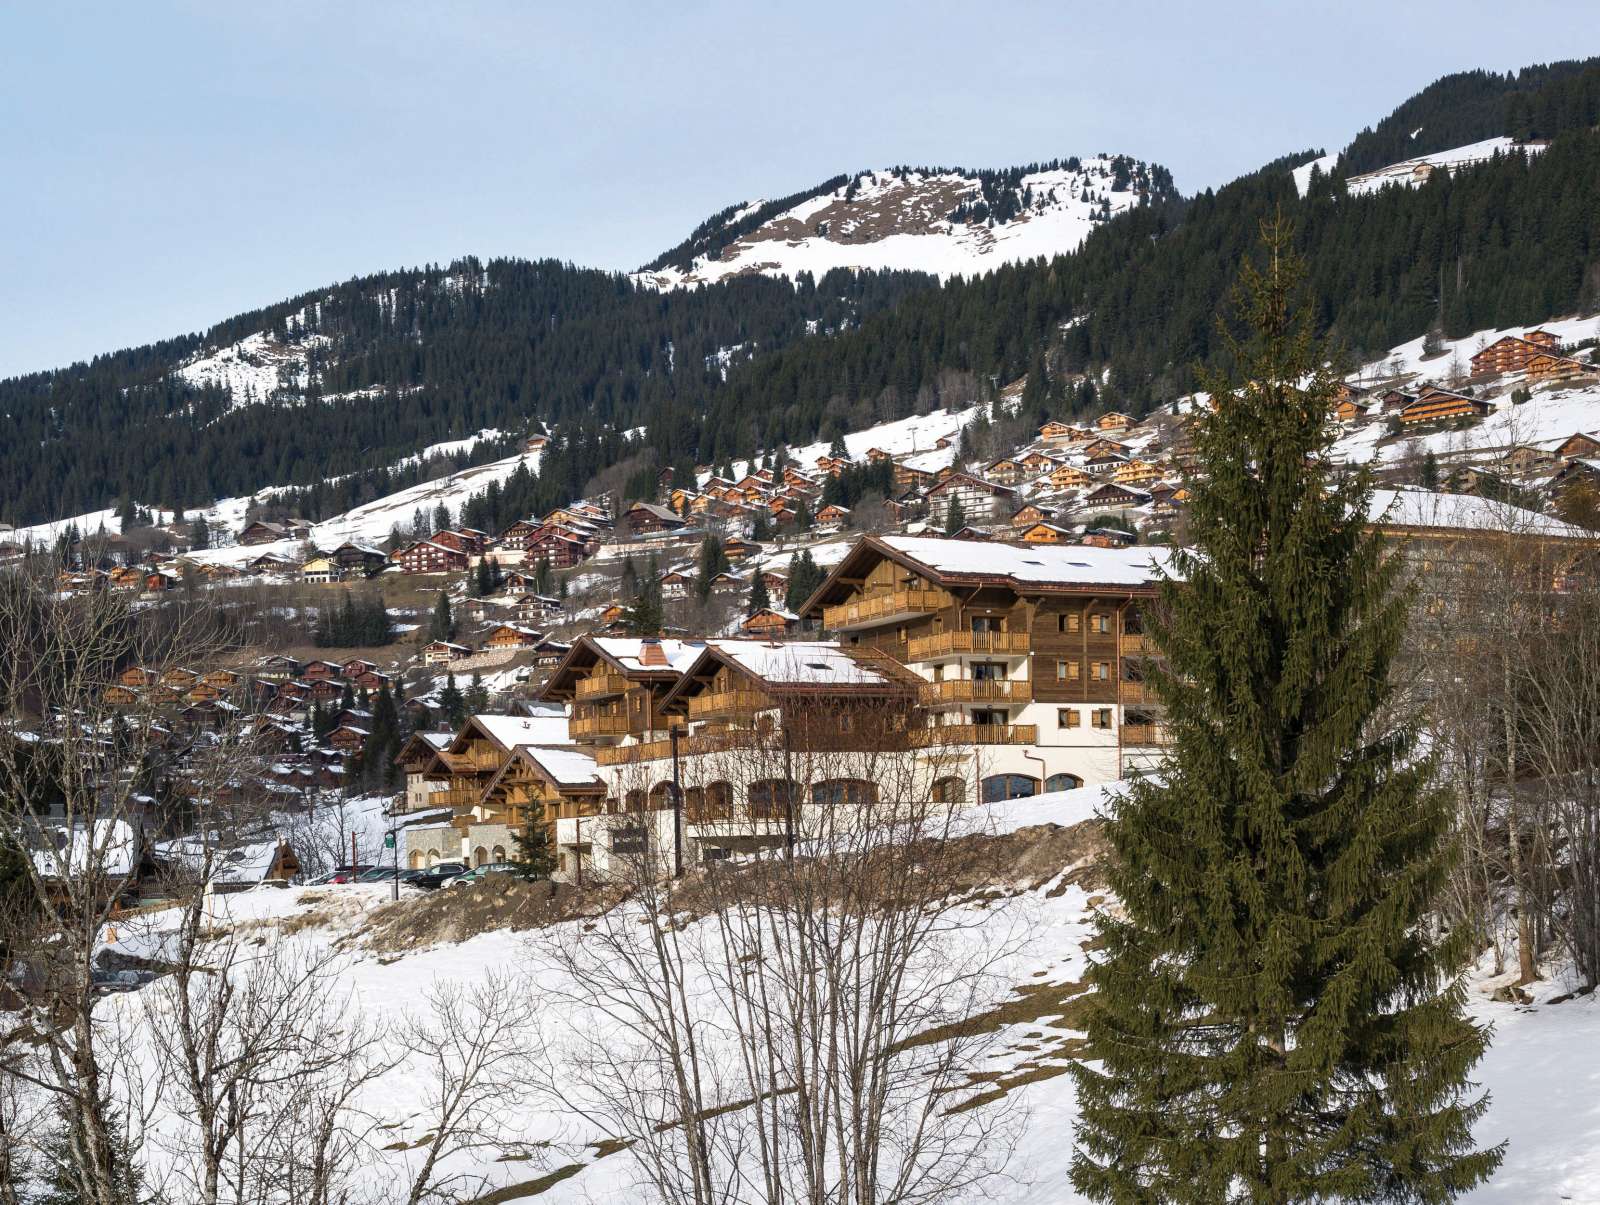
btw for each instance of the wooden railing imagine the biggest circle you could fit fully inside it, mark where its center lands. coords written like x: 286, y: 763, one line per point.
x: 454, y: 797
x: 627, y: 755
x: 599, y: 725
x: 882, y: 607
x: 975, y: 734
x: 1143, y: 734
x: 725, y: 703
x: 975, y: 690
x: 1131, y: 692
x: 601, y: 686
x: 1134, y: 644
x: 950, y: 644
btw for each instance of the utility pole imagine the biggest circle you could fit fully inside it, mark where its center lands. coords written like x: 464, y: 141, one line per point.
x: 677, y: 807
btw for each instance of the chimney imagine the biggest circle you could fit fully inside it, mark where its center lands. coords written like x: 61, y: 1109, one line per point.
x: 650, y: 653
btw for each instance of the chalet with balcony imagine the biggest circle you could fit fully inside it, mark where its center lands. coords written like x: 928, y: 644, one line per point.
x: 1579, y: 445
x: 770, y: 623
x: 443, y: 652
x: 1113, y: 420
x: 614, y: 685
x: 1512, y: 354
x: 430, y: 556
x: 1025, y: 647
x: 1439, y: 405
x: 647, y: 518
x: 1548, y: 367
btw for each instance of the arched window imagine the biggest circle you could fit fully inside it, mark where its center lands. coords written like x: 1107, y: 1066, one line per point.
x: 1063, y: 782
x: 661, y: 796
x: 433, y: 857
x: 414, y: 859
x: 770, y: 798
x: 480, y: 856
x: 950, y: 790
x: 1009, y: 786
x: 499, y: 853
x: 716, y: 801
x: 633, y: 801
x: 843, y: 790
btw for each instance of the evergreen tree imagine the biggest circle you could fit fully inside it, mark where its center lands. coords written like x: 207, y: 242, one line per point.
x: 805, y: 575
x: 1278, y: 1016
x: 199, y: 534
x: 1430, y: 472
x: 630, y: 577
x: 442, y: 626
x: 477, y: 695
x: 713, y: 560
x: 482, y: 579
x: 646, y: 613
x: 452, y: 706
x: 759, y: 599
x: 535, y: 857
x: 955, y: 517
x: 59, y: 1182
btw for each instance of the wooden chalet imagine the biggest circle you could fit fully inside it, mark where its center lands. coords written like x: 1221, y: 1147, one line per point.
x: 645, y: 518
x: 1579, y: 445
x: 772, y: 623
x: 512, y: 636
x: 1113, y: 420
x: 1512, y: 354
x: 1549, y: 366
x: 614, y: 686
x: 1439, y: 405
x: 430, y: 556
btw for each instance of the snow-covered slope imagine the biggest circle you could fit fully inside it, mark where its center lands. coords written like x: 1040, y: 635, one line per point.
x: 1542, y: 1071
x: 910, y: 220
x: 1412, y: 172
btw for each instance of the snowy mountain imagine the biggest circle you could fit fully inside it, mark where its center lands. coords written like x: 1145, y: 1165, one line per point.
x: 945, y: 222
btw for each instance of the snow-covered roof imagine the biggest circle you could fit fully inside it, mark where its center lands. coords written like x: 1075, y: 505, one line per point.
x: 803, y: 663
x: 514, y: 730
x: 107, y: 847
x: 566, y: 765
x: 1424, y: 508
x: 1035, y: 564
x: 625, y: 650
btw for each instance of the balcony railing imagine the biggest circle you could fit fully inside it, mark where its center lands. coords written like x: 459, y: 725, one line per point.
x: 975, y: 734
x: 1143, y: 734
x: 728, y: 703
x: 1131, y: 692
x: 627, y: 755
x: 882, y: 608
x: 1134, y: 644
x: 454, y: 797
x: 976, y: 690
x: 601, y: 686
x: 584, y: 727
x: 952, y: 644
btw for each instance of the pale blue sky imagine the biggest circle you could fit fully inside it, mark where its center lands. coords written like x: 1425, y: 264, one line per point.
x: 164, y: 165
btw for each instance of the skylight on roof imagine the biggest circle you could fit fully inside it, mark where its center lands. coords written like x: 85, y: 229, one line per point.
x: 822, y: 665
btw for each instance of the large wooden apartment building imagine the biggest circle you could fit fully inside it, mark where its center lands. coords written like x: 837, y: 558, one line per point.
x: 1033, y: 654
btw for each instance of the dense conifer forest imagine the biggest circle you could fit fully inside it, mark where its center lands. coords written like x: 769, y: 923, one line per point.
x: 717, y: 372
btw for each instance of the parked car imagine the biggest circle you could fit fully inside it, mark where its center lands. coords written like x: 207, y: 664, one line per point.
x: 344, y: 874
x: 101, y: 982
x: 378, y: 874
x: 437, y: 876
x: 479, y: 873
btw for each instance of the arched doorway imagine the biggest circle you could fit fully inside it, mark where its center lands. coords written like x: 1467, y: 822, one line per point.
x: 480, y: 856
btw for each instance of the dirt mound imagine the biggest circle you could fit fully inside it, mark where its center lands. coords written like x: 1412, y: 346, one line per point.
x: 453, y: 914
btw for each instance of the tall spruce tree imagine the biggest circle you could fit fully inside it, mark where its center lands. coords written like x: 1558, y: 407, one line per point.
x: 443, y: 625
x: 1278, y: 1018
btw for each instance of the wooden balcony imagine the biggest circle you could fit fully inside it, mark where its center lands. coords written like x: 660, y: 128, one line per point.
x: 972, y: 690
x: 455, y: 797
x: 628, y: 755
x: 1143, y: 734
x: 475, y: 760
x: 882, y: 608
x: 728, y: 704
x: 1135, y: 644
x: 601, y: 686
x: 1130, y: 692
x: 954, y: 644
x: 975, y: 734
x: 590, y: 726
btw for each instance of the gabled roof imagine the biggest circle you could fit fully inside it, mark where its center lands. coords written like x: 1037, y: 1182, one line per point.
x: 802, y: 667
x: 1028, y: 568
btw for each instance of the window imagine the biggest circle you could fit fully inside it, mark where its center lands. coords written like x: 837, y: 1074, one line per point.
x: 628, y: 839
x: 950, y: 790
x: 1100, y: 717
x: 901, y: 632
x: 1100, y: 623
x: 1068, y: 717
x: 843, y: 790
x: 1063, y: 782
x: 985, y: 623
x: 770, y: 797
x: 1009, y: 786
x: 1069, y: 623
x: 499, y: 853
x: 1102, y: 671
x: 1066, y: 671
